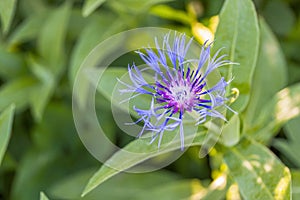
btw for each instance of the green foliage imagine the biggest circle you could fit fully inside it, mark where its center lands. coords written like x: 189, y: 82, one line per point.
x: 290, y: 148
x: 6, y: 120
x: 238, y: 33
x: 142, y: 151
x: 90, y: 6
x: 43, y: 45
x: 270, y: 61
x: 253, y: 167
x: 43, y: 196
x: 7, y: 11
x: 296, y: 184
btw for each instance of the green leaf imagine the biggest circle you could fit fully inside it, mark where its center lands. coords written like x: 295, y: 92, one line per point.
x: 43, y: 196
x: 238, y: 32
x: 290, y: 148
x: 30, y: 178
x: 50, y: 42
x: 258, y: 172
x: 90, y: 6
x: 168, y: 12
x: 32, y: 7
x: 12, y: 65
x: 284, y: 106
x: 109, y: 87
x: 231, y: 132
x: 141, y: 186
x: 188, y: 189
x: 7, y: 11
x: 283, y: 21
x: 17, y: 91
x: 52, y: 49
x: 296, y: 184
x: 43, y: 91
x: 270, y: 61
x: 6, y: 120
x: 126, y: 186
x: 29, y: 29
x: 293, y: 72
x: 96, y: 31
x: 134, y: 6
x: 143, y: 151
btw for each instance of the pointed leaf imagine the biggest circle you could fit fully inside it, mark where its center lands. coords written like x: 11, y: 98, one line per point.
x: 143, y: 151
x: 28, y: 29
x: 170, y: 13
x: 238, y: 32
x: 134, y: 6
x: 258, y: 172
x: 90, y: 6
x: 43, y: 196
x: 7, y: 11
x: 43, y: 91
x: 52, y: 36
x: 6, y: 120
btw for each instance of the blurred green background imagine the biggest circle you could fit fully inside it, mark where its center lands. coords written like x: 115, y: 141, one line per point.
x: 43, y: 43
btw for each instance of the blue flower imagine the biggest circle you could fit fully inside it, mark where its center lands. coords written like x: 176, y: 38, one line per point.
x: 178, y: 86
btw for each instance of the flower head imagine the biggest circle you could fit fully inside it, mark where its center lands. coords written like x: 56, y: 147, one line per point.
x: 178, y: 86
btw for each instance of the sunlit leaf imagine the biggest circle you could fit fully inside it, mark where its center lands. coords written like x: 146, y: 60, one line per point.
x: 258, y: 172
x: 238, y: 33
x: 188, y: 189
x: 6, y: 120
x: 43, y: 196
x: 284, y: 106
x: 7, y: 11
x: 168, y: 12
x: 202, y: 33
x: 296, y: 184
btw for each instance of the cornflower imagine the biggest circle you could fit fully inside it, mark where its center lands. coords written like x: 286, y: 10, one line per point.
x: 179, y: 86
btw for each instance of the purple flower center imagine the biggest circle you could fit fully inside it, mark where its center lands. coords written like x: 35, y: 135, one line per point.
x: 183, y: 99
x: 181, y: 93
